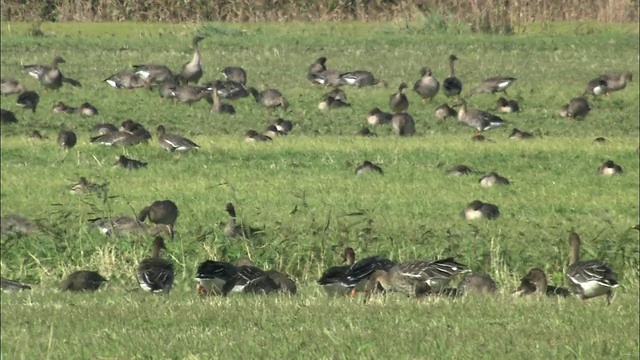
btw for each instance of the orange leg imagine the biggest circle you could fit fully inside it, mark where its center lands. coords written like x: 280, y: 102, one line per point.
x: 353, y: 293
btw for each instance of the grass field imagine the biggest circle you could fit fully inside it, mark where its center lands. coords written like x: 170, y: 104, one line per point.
x: 410, y: 212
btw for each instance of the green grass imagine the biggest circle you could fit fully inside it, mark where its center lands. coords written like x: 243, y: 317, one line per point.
x: 410, y: 212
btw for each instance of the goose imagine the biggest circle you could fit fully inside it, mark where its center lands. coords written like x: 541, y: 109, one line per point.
x: 368, y: 167
x: 254, y: 136
x: 493, y: 179
x: 459, y: 170
x: 66, y: 139
x: 398, y: 102
x: 476, y: 118
x: 16, y: 225
x: 360, y: 78
x: 125, y: 80
x: 235, y: 74
x: 493, y: 85
x: 596, y: 87
x: 134, y: 128
x: 189, y: 94
x: 168, y: 87
x: 272, y: 131
x: 403, y: 124
x: 591, y: 278
x: 192, y: 71
x: 213, y: 275
x: 317, y: 68
x: 173, y: 142
x: 329, y: 77
x: 480, y: 210
x: 472, y: 284
x: 61, y: 108
x: 366, y: 132
x: 427, y: 86
x: 284, y: 126
x: 233, y: 229
x: 125, y: 225
x: 416, y: 277
x: 28, y: 100
x: 507, y: 106
x: 270, y: 98
x: 153, y: 73
x: 103, y: 128
x: 330, y: 102
x: 535, y: 283
x: 218, y: 107
x: 119, y: 138
x: 85, y: 109
x: 130, y: 164
x: 229, y: 90
x: 516, y: 134
x: 51, y: 77
x: 378, y: 117
x: 11, y: 86
x: 617, y: 82
x: 36, y: 135
x: 285, y: 284
x: 609, y: 168
x: 84, y: 186
x: 156, y: 274
x: 452, y: 86
x: 161, y: 212
x: 358, y: 274
x: 250, y: 279
x: 578, y: 108
x: 353, y: 276
x: 7, y: 117
x: 82, y: 280
x: 11, y: 286
x: 337, y: 94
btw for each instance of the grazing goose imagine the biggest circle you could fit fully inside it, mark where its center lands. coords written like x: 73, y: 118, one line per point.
x: 82, y: 280
x: 153, y: 73
x: 334, y: 280
x: 125, y: 80
x: 535, y: 283
x: 125, y: 225
x: 403, y: 124
x: 284, y: 282
x: 272, y: 131
x: 427, y: 86
x: 459, y: 170
x: 11, y: 86
x: 67, y: 139
x: 476, y: 284
x: 318, y: 67
x: 337, y: 94
x: 250, y: 279
x: 190, y: 94
x: 103, y: 128
x: 254, y: 136
x: 609, y: 168
x: 168, y: 87
x: 452, y: 86
x: 173, y: 142
x: 84, y: 186
x: 192, y: 71
x: 480, y: 210
x: 156, y: 274
x: 596, y: 87
x: 120, y: 138
x: 358, y: 274
x: 616, y: 82
x: 516, y: 134
x: 235, y: 74
x: 50, y: 76
x: 16, y: 225
x: 366, y: 132
x: 284, y: 126
x: 11, y: 286
x: 130, y: 164
x: 360, y: 78
x: 588, y: 279
x: 398, y: 102
x: 368, y: 167
x: 213, y: 275
x: 62, y: 108
x: 417, y: 277
x: 229, y: 90
x: 28, y: 100
x: 378, y: 117
x: 493, y: 179
x: 493, y: 85
x: 476, y: 118
x: 135, y: 128
x: 218, y: 107
x: 330, y: 102
x: 7, y: 117
x: 578, y: 108
x: 507, y: 106
x: 270, y: 98
x: 161, y: 212
x: 233, y: 229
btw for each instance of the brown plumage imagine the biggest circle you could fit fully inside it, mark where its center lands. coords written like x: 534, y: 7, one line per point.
x: 161, y: 212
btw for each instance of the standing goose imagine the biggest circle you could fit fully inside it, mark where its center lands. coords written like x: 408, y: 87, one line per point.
x: 11, y: 86
x: 235, y: 74
x: 153, y: 73
x: 11, y: 286
x: 28, y: 100
x: 417, y: 277
x: 156, y: 274
x: 616, y: 82
x: 578, y: 108
x: 493, y: 85
x: 66, y: 139
x: 476, y: 118
x: 82, y: 280
x: 173, y: 142
x: 360, y: 78
x: 403, y: 124
x: 452, y: 86
x: 233, y: 229
x: 270, y: 98
x: 50, y: 76
x: 161, y: 212
x: 213, y: 275
x: 427, y: 86
x: 596, y: 87
x: 192, y: 71
x: 591, y: 278
x: 480, y: 210
x: 125, y: 80
x: 507, y: 106
x: 535, y: 283
x: 398, y: 102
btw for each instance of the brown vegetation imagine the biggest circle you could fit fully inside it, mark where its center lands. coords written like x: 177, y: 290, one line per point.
x: 481, y: 15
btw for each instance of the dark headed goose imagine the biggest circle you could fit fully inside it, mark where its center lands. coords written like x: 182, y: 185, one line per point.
x: 161, y: 212
x: 493, y: 85
x: 270, y: 98
x: 235, y: 74
x: 28, y: 100
x: 427, y: 86
x: 507, y: 106
x: 233, y: 229
x: 444, y: 111
x: 66, y: 139
x: 476, y: 118
x: 360, y: 78
x: 213, y: 275
x: 398, y: 102
x: 153, y: 73
x: 616, y: 82
x: 250, y: 279
x: 535, y: 283
x: 516, y: 134
x: 82, y: 280
x: 476, y: 284
x: 125, y: 80
x: 378, y: 117
x: 403, y: 124
x: 156, y: 274
x: 11, y: 86
x: 330, y: 102
x: 192, y: 71
x: 173, y: 142
x: 11, y: 286
x: 609, y: 168
x: 50, y: 77
x: 452, y: 86
x: 480, y: 210
x: 368, y: 167
x: 596, y: 87
x: 130, y: 164
x: 578, y: 108
x: 493, y: 179
x: 7, y: 117
x: 254, y: 136
x: 219, y: 107
x: 317, y: 68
